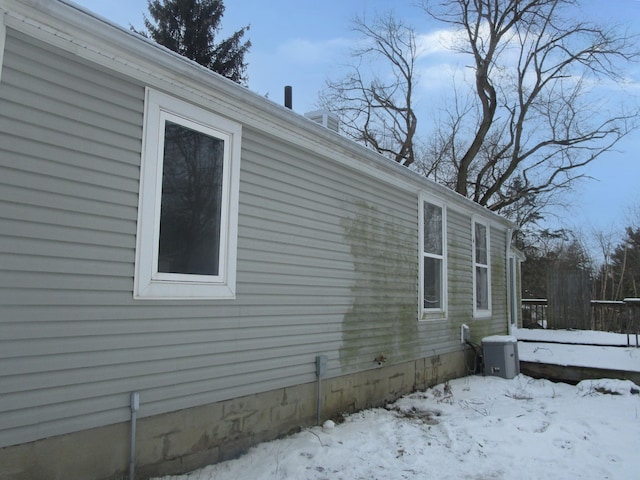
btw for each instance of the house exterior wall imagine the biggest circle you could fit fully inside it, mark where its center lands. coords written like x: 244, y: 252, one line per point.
x: 327, y: 263
x: 180, y: 441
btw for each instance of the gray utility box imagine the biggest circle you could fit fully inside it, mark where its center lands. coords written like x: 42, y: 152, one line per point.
x: 500, y: 354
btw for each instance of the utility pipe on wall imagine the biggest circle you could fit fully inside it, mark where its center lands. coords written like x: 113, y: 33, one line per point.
x: 321, y: 369
x: 135, y: 405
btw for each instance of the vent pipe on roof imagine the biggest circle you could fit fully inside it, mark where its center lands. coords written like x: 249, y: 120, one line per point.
x: 288, y: 97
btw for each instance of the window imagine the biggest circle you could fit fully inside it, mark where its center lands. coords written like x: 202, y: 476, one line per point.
x: 187, y: 218
x: 433, y: 268
x: 481, y: 270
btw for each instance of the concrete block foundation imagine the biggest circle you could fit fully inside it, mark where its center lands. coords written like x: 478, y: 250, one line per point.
x: 185, y: 440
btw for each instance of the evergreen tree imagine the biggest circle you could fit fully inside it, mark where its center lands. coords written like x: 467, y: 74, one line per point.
x: 189, y: 27
x: 626, y: 266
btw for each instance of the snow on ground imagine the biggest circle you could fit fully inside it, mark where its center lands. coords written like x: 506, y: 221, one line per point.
x: 470, y: 428
x: 610, y: 358
x: 585, y: 337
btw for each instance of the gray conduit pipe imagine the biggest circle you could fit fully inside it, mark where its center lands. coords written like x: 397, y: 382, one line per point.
x: 135, y: 405
x: 321, y: 369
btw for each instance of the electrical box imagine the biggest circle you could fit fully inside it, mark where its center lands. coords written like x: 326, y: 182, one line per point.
x: 321, y: 365
x: 500, y: 355
x: 465, y: 334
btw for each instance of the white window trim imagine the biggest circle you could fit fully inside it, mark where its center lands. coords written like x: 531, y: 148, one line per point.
x: 432, y: 313
x: 148, y: 282
x: 481, y: 313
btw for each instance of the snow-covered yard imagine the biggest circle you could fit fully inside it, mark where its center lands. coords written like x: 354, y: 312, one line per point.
x: 470, y: 428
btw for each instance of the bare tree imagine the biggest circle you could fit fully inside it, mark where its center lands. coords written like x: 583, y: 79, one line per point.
x: 537, y: 117
x: 534, y: 118
x: 376, y: 111
x: 604, y: 276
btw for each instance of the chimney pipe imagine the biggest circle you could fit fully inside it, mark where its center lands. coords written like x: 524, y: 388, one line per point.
x: 288, y: 97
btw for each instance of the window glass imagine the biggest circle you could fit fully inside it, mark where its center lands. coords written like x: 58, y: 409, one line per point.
x: 481, y: 274
x: 191, y: 202
x: 481, y: 244
x: 432, y: 229
x: 432, y: 283
x: 433, y: 258
x: 482, y: 288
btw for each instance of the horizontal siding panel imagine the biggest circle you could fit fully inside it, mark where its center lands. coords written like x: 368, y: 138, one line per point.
x: 82, y: 82
x: 80, y: 176
x: 17, y: 130
x: 65, y: 417
x: 71, y: 128
x: 73, y: 104
x: 227, y: 341
x: 68, y: 298
x: 55, y: 204
x: 31, y: 245
x: 88, y: 378
x: 205, y: 377
x: 61, y: 189
x: 31, y: 321
x: 61, y: 281
x: 295, y: 167
x: 83, y: 157
x: 200, y: 353
x: 62, y: 233
x: 52, y: 218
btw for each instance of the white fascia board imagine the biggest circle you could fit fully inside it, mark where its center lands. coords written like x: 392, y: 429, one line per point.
x: 94, y: 38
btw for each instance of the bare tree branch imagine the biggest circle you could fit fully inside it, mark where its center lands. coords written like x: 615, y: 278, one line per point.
x: 377, y: 112
x: 536, y: 113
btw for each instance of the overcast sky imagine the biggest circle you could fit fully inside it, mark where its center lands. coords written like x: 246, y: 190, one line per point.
x: 304, y: 42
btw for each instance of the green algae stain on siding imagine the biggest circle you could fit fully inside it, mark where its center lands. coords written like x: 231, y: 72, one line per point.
x: 383, y: 317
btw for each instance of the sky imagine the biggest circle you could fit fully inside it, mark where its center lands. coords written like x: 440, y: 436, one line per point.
x: 474, y: 427
x: 303, y: 43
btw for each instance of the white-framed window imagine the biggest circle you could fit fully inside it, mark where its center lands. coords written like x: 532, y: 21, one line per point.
x: 481, y: 269
x: 433, y: 258
x: 188, y: 207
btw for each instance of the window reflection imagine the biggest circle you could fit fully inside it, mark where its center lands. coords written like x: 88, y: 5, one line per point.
x: 191, y: 202
x: 433, y: 256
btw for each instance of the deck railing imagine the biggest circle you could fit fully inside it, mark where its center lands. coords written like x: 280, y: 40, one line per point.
x: 607, y: 316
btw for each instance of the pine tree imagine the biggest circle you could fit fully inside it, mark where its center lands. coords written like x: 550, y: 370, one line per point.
x: 626, y: 266
x: 189, y: 27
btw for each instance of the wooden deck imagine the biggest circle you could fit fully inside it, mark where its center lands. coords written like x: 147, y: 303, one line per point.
x: 571, y: 356
x: 574, y: 374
